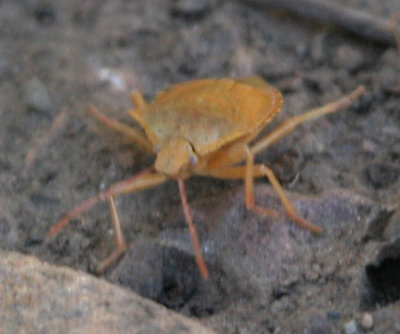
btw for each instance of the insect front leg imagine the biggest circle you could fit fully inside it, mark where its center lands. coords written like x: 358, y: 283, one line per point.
x: 143, y: 180
x: 192, y: 230
x: 120, y: 243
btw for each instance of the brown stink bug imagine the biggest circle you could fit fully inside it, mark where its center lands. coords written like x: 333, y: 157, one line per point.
x: 203, y: 127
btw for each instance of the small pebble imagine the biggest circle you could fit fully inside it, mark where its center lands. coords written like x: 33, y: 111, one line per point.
x: 243, y: 62
x: 350, y: 327
x: 390, y: 57
x: 389, y: 80
x: 312, y: 275
x: 41, y: 200
x: 301, y: 50
x: 36, y: 96
x: 280, y: 305
x: 333, y: 314
x: 370, y: 146
x: 190, y: 8
x: 348, y: 58
x: 367, y: 322
x: 113, y: 77
x: 36, y: 235
x: 45, y: 13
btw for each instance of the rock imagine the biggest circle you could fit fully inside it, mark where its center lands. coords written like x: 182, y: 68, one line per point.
x: 381, y: 175
x: 37, y: 297
x: 36, y: 96
x: 367, y: 322
x: 348, y: 58
x: 141, y: 269
x: 190, y: 8
x: 45, y: 13
x: 392, y: 233
x: 386, y: 319
x: 350, y: 327
x: 242, y: 62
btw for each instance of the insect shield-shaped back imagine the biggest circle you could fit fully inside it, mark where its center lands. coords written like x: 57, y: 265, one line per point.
x: 209, y: 113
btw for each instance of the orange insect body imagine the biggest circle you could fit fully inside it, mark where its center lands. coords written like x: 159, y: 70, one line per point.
x: 191, y: 121
x: 203, y: 127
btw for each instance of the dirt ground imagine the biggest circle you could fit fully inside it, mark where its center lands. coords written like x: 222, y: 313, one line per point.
x: 267, y: 275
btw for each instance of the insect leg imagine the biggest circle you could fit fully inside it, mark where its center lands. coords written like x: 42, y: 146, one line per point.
x: 33, y: 153
x: 138, y: 99
x: 248, y: 173
x: 290, y: 124
x: 137, y: 182
x: 249, y: 187
x: 192, y: 230
x: 118, y: 236
x: 290, y: 211
x: 128, y: 131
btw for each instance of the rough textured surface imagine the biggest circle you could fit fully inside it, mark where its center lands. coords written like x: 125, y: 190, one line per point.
x: 40, y: 298
x: 342, y: 172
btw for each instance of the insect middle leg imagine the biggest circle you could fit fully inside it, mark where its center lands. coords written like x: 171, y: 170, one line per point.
x: 251, y: 171
x: 262, y: 170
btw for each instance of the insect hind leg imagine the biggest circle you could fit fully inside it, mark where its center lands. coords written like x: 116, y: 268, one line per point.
x: 290, y: 124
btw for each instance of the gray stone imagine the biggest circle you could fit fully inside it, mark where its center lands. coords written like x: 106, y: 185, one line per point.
x: 36, y: 96
x: 37, y: 297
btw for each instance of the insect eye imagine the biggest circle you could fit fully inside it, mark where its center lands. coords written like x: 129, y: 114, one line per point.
x: 193, y: 159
